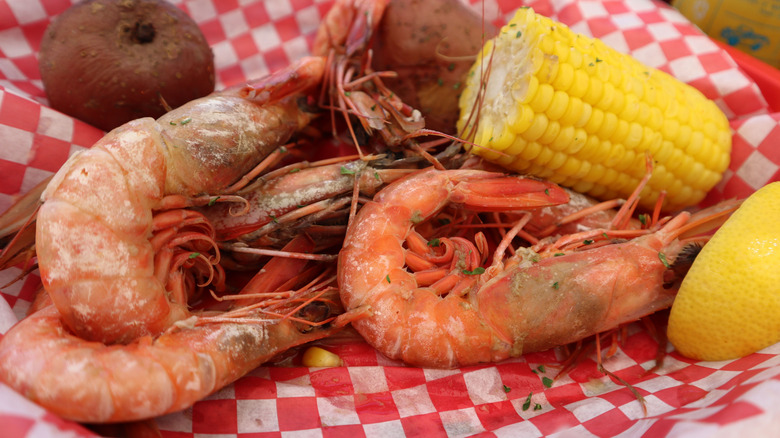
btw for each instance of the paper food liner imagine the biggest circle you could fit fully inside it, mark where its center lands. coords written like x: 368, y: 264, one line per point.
x: 371, y: 395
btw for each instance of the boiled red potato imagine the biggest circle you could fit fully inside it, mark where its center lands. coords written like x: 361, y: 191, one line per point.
x: 107, y: 62
x: 431, y: 44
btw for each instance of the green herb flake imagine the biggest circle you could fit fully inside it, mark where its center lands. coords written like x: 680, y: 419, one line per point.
x: 662, y: 256
x: 347, y: 93
x: 591, y: 65
x: 598, y: 60
x: 185, y: 121
x: 451, y: 67
x: 213, y: 201
x: 282, y: 150
x: 537, y: 407
x: 558, y: 254
x: 294, y: 170
x: 477, y: 271
x: 373, y: 107
x: 547, y: 192
x: 387, y: 277
x: 518, y: 34
x: 273, y: 219
x: 440, y: 81
x: 604, y: 235
x: 540, y: 368
x: 643, y: 219
x: 172, y: 123
x: 556, y: 285
x: 346, y: 171
x: 456, y: 85
x: 193, y: 255
x: 527, y: 403
x: 587, y: 241
x: 434, y: 242
x: 547, y: 382
x: 507, y: 389
x: 376, y: 175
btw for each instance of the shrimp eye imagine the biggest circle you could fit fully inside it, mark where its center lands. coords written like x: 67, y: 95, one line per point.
x: 682, y: 263
x: 314, y: 312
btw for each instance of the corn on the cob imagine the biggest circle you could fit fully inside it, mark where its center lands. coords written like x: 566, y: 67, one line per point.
x: 570, y: 109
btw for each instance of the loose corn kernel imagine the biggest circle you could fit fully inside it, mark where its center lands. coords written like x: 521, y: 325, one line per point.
x: 569, y: 108
x: 316, y: 357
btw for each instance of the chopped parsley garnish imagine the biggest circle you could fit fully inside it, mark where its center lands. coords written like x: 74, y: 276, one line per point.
x: 662, y: 256
x: 527, y: 403
x: 478, y: 270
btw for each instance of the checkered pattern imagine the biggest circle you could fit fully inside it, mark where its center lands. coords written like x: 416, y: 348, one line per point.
x: 373, y: 396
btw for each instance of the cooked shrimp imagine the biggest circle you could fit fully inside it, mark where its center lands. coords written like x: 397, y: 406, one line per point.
x: 104, y: 274
x: 434, y: 301
x: 300, y: 190
x: 93, y: 382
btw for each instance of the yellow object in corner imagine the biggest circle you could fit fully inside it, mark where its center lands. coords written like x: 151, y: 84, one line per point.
x: 752, y: 26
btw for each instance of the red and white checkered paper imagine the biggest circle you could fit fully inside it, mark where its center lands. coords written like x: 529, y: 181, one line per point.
x: 372, y: 396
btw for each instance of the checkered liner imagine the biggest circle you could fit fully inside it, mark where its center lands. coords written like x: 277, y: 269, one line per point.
x: 373, y: 396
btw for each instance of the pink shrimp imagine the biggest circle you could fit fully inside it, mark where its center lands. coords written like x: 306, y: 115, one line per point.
x: 283, y: 197
x: 93, y: 382
x: 436, y: 305
x: 104, y: 274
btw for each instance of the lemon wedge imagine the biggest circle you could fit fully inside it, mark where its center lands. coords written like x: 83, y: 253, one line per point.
x: 728, y: 305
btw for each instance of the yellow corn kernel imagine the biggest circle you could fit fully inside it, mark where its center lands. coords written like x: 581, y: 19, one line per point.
x: 319, y: 357
x: 560, y: 102
x: 537, y: 128
x: 543, y: 98
x: 552, y: 131
x: 569, y: 108
x: 580, y: 84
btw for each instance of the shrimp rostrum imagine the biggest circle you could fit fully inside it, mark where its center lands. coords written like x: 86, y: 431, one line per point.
x: 120, y: 256
x: 433, y: 296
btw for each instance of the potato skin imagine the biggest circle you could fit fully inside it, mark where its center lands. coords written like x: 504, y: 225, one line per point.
x: 107, y: 62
